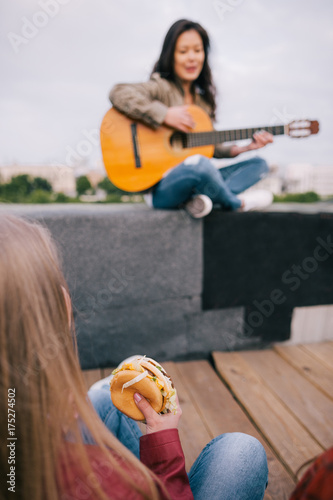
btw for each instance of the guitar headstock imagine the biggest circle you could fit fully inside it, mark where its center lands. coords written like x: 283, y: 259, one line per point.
x: 302, y: 128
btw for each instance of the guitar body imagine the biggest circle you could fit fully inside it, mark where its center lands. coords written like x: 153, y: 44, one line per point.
x: 136, y: 156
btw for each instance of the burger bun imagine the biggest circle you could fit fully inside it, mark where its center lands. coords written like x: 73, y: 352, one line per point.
x: 123, y: 399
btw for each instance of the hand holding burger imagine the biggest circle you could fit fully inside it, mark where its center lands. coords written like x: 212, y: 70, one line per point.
x: 142, y: 390
x: 156, y: 421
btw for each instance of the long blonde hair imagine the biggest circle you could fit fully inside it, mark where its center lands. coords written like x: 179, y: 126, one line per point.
x: 39, y: 361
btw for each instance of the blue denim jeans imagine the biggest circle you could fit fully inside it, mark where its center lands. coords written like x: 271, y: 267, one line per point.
x: 197, y: 175
x: 231, y: 467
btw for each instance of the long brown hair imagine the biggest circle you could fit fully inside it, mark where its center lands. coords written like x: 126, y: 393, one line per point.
x: 165, y: 62
x: 39, y: 362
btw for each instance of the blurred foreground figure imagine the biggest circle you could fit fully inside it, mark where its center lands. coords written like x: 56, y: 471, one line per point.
x: 64, y: 445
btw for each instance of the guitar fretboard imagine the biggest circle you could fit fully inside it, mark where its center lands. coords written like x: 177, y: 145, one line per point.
x: 194, y: 139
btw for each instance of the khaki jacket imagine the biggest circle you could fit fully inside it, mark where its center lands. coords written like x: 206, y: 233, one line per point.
x: 149, y: 102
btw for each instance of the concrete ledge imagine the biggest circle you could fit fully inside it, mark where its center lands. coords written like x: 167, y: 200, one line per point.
x: 136, y: 280
x: 135, y: 277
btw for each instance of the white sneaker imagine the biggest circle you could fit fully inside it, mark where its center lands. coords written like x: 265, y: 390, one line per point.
x: 255, y: 200
x: 199, y: 206
x: 106, y: 381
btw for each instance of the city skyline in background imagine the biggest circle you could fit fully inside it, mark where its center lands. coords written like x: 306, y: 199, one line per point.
x: 271, y: 62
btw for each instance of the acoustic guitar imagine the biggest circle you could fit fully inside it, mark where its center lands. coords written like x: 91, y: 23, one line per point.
x: 136, y: 156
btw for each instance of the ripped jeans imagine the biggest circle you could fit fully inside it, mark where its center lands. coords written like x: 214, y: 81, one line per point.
x: 198, y: 175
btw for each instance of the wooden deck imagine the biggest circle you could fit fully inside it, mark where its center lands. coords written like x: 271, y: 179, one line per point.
x: 282, y: 396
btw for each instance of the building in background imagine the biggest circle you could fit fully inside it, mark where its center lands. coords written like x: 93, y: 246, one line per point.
x: 61, y: 177
x: 294, y: 178
x: 298, y: 178
x: 95, y: 176
x: 303, y: 177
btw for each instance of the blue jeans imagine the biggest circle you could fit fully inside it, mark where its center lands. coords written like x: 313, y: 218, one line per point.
x: 197, y: 175
x: 231, y: 467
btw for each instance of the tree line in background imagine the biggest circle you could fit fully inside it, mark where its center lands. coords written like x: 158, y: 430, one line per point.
x: 26, y: 189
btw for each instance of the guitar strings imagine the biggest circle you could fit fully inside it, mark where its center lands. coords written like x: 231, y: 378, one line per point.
x: 194, y: 139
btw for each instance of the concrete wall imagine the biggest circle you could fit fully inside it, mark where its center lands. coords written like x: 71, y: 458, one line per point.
x: 135, y: 277
x: 136, y: 280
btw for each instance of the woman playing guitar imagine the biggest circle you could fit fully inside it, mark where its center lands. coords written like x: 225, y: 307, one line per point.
x: 182, y: 77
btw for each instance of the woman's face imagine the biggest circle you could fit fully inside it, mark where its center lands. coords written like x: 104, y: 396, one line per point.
x: 189, y: 56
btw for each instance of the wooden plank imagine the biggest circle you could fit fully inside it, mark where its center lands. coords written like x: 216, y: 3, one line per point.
x: 323, y: 351
x: 91, y: 376
x: 290, y: 441
x: 309, y: 366
x: 107, y: 371
x: 307, y: 403
x: 220, y: 413
x: 193, y: 434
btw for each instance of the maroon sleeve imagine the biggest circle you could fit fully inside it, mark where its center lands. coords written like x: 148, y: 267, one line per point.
x: 163, y: 454
x: 317, y: 482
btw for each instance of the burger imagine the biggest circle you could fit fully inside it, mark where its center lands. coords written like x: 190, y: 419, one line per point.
x: 148, y: 378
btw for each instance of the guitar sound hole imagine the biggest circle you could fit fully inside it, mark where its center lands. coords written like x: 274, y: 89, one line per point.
x: 178, y: 140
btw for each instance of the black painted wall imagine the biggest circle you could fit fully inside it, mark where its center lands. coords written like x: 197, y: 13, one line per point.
x: 270, y: 263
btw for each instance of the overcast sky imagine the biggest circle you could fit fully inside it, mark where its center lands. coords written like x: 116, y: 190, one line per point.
x: 271, y: 61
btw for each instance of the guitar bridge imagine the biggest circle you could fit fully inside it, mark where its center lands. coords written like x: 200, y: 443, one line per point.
x: 135, y: 146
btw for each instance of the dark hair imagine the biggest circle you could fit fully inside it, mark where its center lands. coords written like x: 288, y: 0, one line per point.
x: 165, y: 63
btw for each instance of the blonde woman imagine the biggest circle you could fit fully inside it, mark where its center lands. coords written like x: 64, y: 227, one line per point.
x: 54, y: 444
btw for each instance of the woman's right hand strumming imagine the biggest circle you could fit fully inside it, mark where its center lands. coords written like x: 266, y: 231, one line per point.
x: 179, y: 118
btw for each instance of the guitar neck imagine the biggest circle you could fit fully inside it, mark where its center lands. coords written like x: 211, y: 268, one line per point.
x: 194, y: 139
